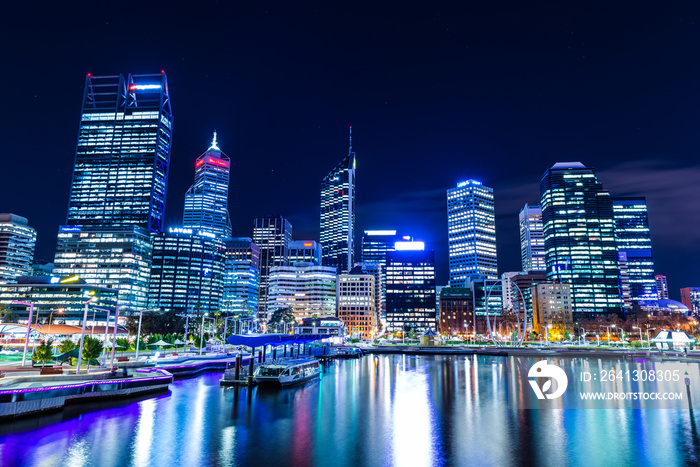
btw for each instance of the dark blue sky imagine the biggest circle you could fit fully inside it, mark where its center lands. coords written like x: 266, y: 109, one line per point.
x: 435, y: 94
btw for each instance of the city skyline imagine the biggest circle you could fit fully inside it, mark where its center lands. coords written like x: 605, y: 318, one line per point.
x: 638, y: 146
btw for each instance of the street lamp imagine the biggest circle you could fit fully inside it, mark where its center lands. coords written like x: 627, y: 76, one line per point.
x: 138, y: 334
x: 82, y: 335
x: 597, y: 336
x: 104, y: 341
x: 649, y: 340
x: 640, y: 334
x: 29, y: 328
x: 608, y: 330
x: 201, y: 336
x: 546, y: 334
x: 60, y: 310
x: 114, y: 336
x: 584, y: 333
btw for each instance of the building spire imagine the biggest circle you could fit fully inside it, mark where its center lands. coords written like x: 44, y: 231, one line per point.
x: 350, y: 140
x: 213, y: 143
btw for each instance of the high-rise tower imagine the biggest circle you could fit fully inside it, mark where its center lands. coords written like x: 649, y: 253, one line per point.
x: 633, y: 239
x: 17, y: 240
x: 206, y: 202
x: 579, y: 238
x: 338, y: 214
x: 272, y: 234
x: 471, y: 232
x: 531, y: 238
x: 120, y: 176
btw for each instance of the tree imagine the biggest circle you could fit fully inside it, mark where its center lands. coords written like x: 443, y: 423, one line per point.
x: 281, y: 316
x: 7, y: 316
x: 43, y: 353
x: 66, y: 346
x: 92, y: 348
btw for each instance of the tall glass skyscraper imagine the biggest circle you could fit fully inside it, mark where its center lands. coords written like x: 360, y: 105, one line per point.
x: 120, y: 176
x: 579, y: 238
x: 531, y: 238
x: 206, y: 202
x: 241, y: 277
x: 272, y: 234
x: 661, y: 287
x: 410, y: 288
x: 375, y: 245
x: 120, y: 179
x: 338, y: 214
x: 17, y: 240
x: 471, y: 232
x: 634, y: 240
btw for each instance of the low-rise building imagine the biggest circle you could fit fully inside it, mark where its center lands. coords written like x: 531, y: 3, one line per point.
x: 357, y: 303
x: 456, y: 311
x: 305, y: 288
x: 552, y: 310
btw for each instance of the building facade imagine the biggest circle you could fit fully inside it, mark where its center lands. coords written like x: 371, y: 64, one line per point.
x: 187, y: 271
x: 552, y: 309
x: 119, y: 258
x: 456, y: 311
x: 17, y: 241
x: 374, y: 247
x: 307, y: 289
x: 579, y: 238
x: 304, y: 251
x: 272, y: 234
x: 338, y: 214
x: 633, y: 239
x: 531, y: 238
x: 241, y: 277
x: 120, y: 175
x: 661, y: 287
x: 690, y: 297
x: 206, y: 201
x: 58, y: 299
x: 471, y: 232
x: 410, y: 290
x: 357, y: 304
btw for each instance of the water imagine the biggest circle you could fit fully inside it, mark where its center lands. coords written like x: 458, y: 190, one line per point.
x: 383, y: 410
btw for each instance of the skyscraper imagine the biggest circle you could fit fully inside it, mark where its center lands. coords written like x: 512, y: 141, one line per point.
x: 187, y: 271
x: 338, y: 214
x: 531, y: 238
x: 661, y: 287
x: 375, y: 245
x: 272, y: 234
x: 471, y: 232
x: 579, y: 238
x: 17, y: 240
x: 690, y: 297
x: 241, y: 277
x: 410, y: 288
x: 120, y: 179
x: 206, y: 202
x: 304, y: 251
x: 120, y: 176
x: 634, y: 241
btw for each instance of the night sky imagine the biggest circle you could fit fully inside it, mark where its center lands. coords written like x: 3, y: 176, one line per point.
x: 493, y: 91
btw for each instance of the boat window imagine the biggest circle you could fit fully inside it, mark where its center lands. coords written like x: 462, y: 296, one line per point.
x: 267, y: 371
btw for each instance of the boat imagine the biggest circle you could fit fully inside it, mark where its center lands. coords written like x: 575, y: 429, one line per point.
x: 287, y: 372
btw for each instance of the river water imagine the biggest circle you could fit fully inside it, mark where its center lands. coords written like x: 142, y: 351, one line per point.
x: 378, y: 410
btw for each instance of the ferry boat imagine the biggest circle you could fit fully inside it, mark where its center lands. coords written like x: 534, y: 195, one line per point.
x: 287, y: 372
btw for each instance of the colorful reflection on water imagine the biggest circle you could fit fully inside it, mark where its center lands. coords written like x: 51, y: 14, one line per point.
x: 380, y: 410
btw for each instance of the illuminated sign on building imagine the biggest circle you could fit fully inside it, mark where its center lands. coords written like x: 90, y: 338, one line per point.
x: 409, y: 246
x: 144, y: 87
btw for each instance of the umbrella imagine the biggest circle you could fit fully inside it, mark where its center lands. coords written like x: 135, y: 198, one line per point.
x: 178, y: 342
x: 160, y: 343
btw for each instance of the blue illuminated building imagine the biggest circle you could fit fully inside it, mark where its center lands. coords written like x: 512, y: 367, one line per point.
x: 634, y: 245
x: 471, y: 232
x: 241, y: 277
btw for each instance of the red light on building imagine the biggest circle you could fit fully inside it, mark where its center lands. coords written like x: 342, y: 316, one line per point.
x: 132, y: 87
x: 199, y: 162
x: 218, y: 162
x: 162, y: 71
x: 89, y: 75
x: 308, y: 244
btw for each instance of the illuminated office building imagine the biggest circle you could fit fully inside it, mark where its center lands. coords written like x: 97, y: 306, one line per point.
x: 305, y: 288
x: 338, y: 214
x: 357, y: 302
x: 120, y: 174
x: 119, y: 258
x: 206, y: 202
x: 410, y: 288
x: 17, y: 240
x: 378, y: 272
x: 375, y: 245
x: 531, y: 238
x: 471, y: 232
x: 304, y: 251
x: 579, y: 238
x: 690, y: 297
x: 661, y: 287
x: 634, y: 246
x: 241, y: 277
x: 273, y: 235
x: 187, y: 271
